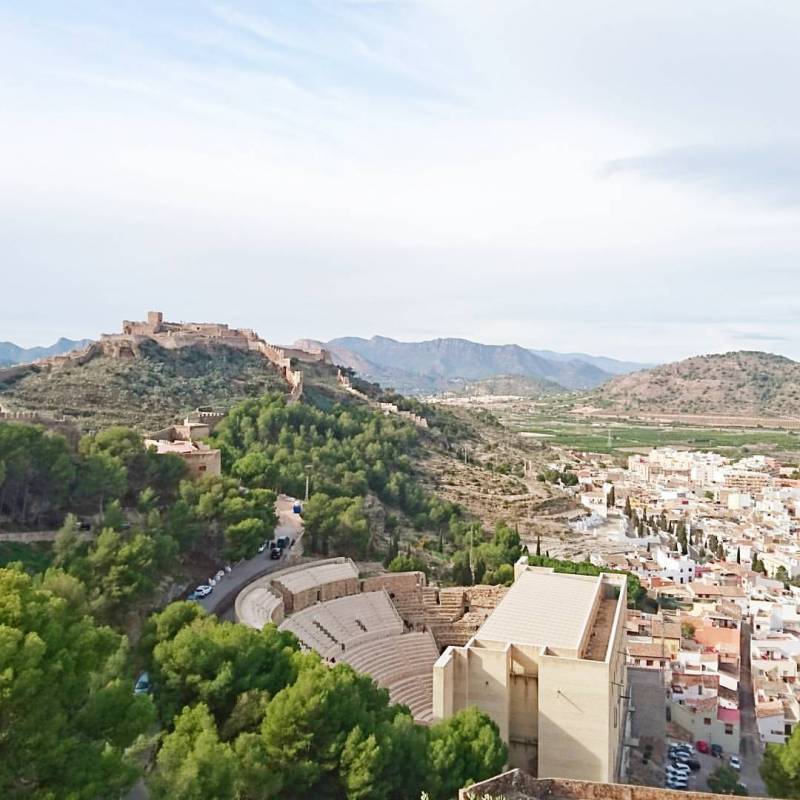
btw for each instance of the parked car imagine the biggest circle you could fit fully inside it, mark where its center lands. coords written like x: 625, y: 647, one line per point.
x: 203, y: 590
x: 677, y: 783
x: 735, y: 762
x: 716, y: 750
x: 702, y: 746
x: 142, y: 685
x: 220, y: 575
x: 262, y: 547
x: 297, y: 508
x: 673, y: 773
x: 694, y: 764
x: 275, y: 553
x: 676, y: 766
x: 283, y: 541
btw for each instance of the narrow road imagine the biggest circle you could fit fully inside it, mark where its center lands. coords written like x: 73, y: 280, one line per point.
x: 750, y: 748
x: 289, y: 524
x: 224, y: 594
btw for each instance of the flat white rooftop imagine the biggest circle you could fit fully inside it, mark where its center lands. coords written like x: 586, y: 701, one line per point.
x: 543, y: 609
x: 317, y: 576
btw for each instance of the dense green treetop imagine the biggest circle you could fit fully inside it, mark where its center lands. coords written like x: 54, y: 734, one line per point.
x: 780, y: 768
x: 67, y: 710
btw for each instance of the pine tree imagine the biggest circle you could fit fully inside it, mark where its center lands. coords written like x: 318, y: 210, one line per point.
x: 538, y: 545
x: 738, y: 555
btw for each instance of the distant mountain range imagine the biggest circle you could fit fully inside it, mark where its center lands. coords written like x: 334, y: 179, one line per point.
x: 739, y: 383
x: 11, y: 353
x: 440, y: 365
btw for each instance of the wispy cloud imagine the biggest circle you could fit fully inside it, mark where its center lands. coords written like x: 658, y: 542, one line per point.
x: 768, y: 172
x: 756, y: 336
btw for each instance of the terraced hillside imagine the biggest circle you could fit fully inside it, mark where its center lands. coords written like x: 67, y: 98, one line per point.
x: 737, y: 383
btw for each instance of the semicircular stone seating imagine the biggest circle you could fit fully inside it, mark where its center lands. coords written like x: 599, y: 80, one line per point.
x: 365, y: 631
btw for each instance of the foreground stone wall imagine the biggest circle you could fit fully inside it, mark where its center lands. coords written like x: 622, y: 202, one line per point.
x: 518, y: 785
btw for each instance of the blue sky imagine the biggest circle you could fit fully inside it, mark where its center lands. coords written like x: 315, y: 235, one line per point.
x: 618, y: 178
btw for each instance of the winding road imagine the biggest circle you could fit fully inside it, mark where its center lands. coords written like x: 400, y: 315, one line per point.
x: 289, y: 524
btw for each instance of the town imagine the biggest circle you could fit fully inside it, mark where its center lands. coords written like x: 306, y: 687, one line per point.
x: 715, y: 544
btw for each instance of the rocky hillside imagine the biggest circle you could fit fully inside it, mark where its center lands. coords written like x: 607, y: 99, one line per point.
x: 425, y: 367
x: 146, y: 392
x: 738, y: 383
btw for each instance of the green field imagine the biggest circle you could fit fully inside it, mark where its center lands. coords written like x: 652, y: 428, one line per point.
x: 624, y: 438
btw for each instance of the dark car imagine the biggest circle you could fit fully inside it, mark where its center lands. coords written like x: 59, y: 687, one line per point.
x: 283, y: 541
x: 275, y: 553
x: 716, y: 750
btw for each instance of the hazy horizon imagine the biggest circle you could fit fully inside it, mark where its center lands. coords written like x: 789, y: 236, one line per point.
x: 292, y: 340
x: 618, y: 180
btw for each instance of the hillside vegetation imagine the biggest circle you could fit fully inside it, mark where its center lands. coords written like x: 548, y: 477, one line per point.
x: 146, y: 392
x: 738, y: 383
x: 517, y: 385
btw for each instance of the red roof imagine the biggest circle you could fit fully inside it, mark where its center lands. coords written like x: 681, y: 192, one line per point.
x: 728, y: 715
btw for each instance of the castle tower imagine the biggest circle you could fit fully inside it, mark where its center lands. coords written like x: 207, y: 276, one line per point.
x: 154, y: 321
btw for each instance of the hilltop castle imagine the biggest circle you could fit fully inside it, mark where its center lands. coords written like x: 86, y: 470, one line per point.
x: 175, y: 335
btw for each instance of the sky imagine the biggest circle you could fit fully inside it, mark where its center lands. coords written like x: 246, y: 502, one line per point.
x: 619, y: 178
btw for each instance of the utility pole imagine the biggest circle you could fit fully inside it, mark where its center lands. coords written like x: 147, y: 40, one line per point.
x: 465, y: 453
x: 471, y: 569
x: 309, y: 467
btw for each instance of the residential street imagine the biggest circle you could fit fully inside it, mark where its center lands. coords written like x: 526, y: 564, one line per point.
x: 750, y: 749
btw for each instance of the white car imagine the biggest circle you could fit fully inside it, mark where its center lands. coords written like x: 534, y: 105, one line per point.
x: 262, y: 547
x: 677, y: 783
x: 735, y: 762
x: 220, y: 575
x: 202, y: 590
x: 680, y: 769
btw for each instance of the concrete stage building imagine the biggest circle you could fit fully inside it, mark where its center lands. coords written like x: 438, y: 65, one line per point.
x: 548, y: 666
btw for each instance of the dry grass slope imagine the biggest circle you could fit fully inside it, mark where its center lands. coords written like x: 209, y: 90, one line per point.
x: 738, y: 383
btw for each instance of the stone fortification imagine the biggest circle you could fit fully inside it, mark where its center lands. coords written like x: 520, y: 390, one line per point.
x: 386, y: 408
x: 176, y: 335
x: 173, y: 335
